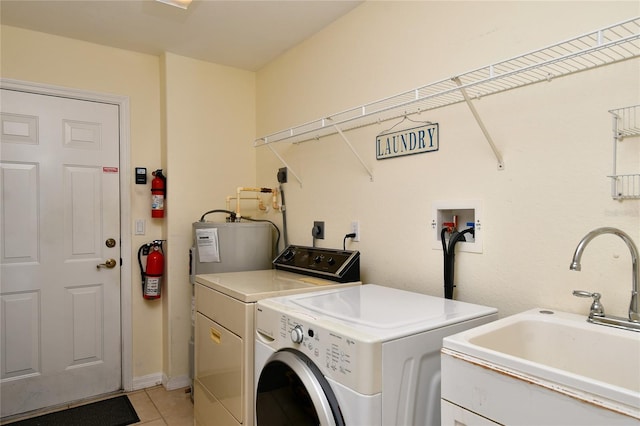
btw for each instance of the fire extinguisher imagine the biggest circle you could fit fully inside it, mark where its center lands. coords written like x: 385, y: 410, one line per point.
x: 158, y: 194
x: 152, y: 274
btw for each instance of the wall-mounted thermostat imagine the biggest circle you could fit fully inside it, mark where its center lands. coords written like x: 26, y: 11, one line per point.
x: 141, y: 175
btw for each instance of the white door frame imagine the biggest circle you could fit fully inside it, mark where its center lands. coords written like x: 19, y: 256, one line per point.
x: 125, y: 203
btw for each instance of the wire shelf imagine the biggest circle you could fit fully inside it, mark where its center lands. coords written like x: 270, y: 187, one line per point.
x: 605, y: 46
x: 626, y: 187
x: 626, y: 123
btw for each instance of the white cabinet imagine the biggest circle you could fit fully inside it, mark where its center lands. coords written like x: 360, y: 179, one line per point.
x: 451, y: 414
x: 475, y: 392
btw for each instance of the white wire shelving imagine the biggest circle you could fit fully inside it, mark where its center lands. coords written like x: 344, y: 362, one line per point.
x: 601, y: 47
x: 626, y: 124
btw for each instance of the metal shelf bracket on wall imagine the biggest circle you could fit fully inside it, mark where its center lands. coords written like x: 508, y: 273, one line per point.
x: 605, y: 46
x: 355, y: 152
x: 485, y: 132
x: 285, y: 164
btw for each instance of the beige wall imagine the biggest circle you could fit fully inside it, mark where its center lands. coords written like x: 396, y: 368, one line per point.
x: 196, y: 120
x: 555, y: 138
x: 193, y: 119
x: 210, y: 122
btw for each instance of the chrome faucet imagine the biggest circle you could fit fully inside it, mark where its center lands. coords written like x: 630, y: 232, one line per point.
x: 634, y: 311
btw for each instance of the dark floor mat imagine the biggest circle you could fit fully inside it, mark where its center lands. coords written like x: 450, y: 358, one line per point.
x: 116, y: 411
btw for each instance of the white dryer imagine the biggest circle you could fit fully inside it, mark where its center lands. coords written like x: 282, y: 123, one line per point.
x: 367, y: 355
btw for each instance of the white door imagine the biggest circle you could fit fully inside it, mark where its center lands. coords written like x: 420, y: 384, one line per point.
x: 60, y: 219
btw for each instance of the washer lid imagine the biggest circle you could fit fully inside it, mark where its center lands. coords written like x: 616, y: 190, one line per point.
x: 379, y: 307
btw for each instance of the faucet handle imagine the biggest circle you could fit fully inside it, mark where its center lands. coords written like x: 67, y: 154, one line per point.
x: 597, y: 310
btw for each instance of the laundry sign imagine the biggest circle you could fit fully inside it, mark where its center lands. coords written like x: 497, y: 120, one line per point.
x: 416, y: 140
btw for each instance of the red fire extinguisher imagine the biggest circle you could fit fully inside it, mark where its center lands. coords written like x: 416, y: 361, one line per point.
x: 158, y: 194
x: 152, y: 275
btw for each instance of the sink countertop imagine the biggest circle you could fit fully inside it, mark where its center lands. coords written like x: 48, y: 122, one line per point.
x: 559, y: 351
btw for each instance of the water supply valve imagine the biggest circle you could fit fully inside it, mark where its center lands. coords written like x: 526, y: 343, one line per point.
x: 457, y: 215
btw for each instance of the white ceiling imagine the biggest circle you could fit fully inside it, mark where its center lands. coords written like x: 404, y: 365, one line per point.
x: 238, y: 33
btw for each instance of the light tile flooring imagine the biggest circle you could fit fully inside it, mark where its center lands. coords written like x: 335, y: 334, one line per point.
x: 155, y: 406
x: 158, y: 407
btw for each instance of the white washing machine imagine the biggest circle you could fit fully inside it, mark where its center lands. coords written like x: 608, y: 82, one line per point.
x: 224, y: 325
x: 367, y: 355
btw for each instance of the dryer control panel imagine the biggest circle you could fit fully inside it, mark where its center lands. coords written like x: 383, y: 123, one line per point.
x: 335, y: 265
x: 339, y: 356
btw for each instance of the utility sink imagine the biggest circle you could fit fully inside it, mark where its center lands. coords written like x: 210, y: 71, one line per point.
x: 562, y: 349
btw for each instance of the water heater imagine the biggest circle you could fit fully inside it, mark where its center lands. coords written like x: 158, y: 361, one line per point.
x: 227, y: 247
x: 231, y: 247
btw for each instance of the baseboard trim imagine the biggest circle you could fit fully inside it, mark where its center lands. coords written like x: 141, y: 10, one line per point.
x: 148, y: 381
x: 176, y: 382
x: 155, y: 379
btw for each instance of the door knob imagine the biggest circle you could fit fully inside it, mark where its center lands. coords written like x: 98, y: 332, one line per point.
x: 110, y: 263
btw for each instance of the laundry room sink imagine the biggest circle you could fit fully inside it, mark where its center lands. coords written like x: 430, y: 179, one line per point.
x: 563, y: 350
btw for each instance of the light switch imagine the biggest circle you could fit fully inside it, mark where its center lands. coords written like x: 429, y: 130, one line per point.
x: 140, y: 226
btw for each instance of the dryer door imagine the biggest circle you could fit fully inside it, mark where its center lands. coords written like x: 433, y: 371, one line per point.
x: 292, y: 390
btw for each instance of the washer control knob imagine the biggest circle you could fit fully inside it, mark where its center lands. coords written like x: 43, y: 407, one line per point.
x: 288, y: 255
x: 297, y: 334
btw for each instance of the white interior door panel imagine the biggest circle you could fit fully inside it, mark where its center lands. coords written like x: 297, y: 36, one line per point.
x: 59, y: 312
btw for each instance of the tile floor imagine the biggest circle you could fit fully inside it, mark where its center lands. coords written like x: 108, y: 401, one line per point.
x: 158, y: 407
x: 155, y: 406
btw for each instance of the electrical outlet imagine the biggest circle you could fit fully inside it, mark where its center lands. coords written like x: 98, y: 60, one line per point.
x: 318, y: 230
x: 355, y: 229
x: 282, y: 175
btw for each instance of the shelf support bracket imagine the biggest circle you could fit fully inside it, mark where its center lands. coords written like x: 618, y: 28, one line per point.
x: 480, y: 123
x: 289, y: 169
x: 344, y: 137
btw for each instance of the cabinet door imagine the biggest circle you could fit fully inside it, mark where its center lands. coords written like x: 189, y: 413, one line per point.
x: 219, y: 355
x: 453, y: 415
